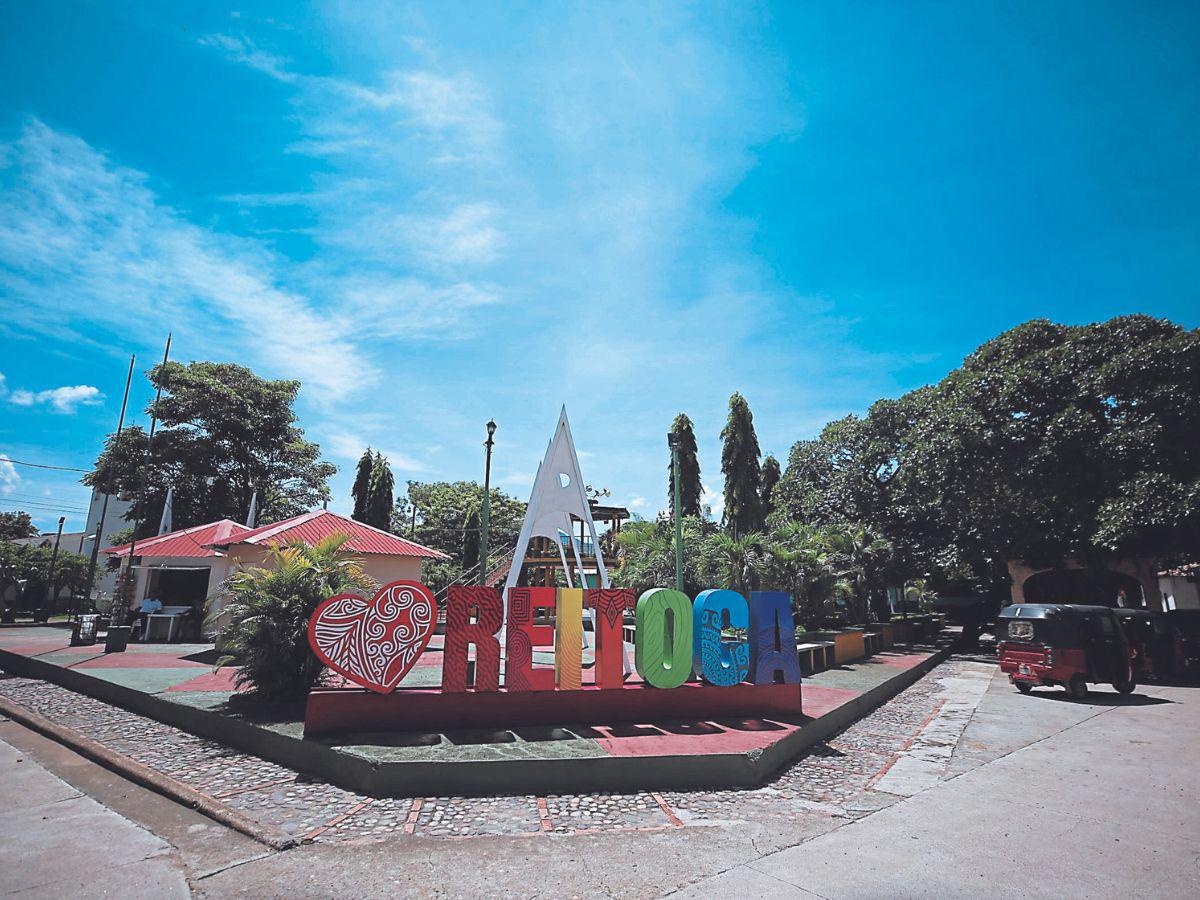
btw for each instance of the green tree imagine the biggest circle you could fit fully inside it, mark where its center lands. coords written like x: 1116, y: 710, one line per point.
x: 28, y: 567
x: 15, y: 525
x: 380, y: 494
x: 860, y: 558
x: 223, y: 433
x: 770, y: 478
x: 443, y: 507
x: 360, y: 493
x: 690, y: 488
x: 1049, y: 442
x: 797, y: 559
x: 647, y: 557
x: 265, y: 618
x: 739, y: 464
x: 733, y: 562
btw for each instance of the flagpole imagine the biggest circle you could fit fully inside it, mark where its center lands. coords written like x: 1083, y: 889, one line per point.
x: 99, y: 535
x: 115, y: 618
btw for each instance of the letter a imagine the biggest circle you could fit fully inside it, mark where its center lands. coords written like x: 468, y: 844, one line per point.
x: 773, y: 656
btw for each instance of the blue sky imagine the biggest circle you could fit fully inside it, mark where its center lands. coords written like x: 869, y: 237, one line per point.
x: 435, y: 214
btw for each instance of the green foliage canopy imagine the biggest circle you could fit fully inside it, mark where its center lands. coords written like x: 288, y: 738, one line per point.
x: 1049, y: 442
x: 690, y: 488
x: 223, y: 432
x: 740, y: 465
x: 16, y: 525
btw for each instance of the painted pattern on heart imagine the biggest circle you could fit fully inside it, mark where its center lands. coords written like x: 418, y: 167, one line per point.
x: 374, y: 643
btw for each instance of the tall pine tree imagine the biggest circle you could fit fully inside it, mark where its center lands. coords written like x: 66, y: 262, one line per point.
x: 361, y: 492
x: 690, y: 488
x: 770, y: 477
x: 739, y: 464
x: 380, y: 494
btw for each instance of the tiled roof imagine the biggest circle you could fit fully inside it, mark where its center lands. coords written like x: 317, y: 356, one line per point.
x: 195, y: 542
x: 314, y: 526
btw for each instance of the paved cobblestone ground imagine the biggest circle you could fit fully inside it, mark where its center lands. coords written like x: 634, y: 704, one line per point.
x: 833, y: 778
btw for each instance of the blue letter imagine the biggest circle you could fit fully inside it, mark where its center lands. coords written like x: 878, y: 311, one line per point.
x: 773, y: 638
x: 716, y: 661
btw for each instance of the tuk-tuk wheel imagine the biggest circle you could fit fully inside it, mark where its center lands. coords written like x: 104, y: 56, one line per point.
x: 1078, y: 687
x: 1023, y: 686
x: 1125, y: 687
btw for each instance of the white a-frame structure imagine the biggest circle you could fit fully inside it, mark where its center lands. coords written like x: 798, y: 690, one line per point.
x: 558, y: 493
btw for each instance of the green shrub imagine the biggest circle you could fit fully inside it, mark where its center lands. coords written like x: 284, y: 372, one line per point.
x: 265, y: 629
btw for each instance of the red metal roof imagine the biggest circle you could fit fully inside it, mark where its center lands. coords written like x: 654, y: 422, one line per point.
x: 314, y: 526
x: 195, y: 542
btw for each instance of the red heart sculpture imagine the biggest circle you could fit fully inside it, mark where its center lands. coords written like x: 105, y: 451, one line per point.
x: 374, y: 642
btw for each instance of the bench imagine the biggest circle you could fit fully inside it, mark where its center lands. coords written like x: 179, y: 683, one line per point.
x: 819, y: 655
x: 873, y: 641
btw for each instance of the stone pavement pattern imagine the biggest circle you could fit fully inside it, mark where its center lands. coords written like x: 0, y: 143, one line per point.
x: 827, y: 779
x: 991, y: 792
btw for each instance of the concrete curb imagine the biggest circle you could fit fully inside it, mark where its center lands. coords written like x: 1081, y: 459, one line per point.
x: 139, y: 774
x: 479, y: 777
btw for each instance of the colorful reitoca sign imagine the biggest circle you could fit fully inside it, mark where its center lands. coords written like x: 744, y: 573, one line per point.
x: 376, y: 643
x: 690, y: 653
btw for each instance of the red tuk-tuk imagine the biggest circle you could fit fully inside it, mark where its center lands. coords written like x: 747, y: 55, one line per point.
x: 1063, y: 644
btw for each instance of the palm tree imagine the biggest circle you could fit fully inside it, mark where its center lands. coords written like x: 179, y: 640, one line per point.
x: 798, y: 560
x: 265, y: 629
x: 860, y: 555
x: 734, y: 561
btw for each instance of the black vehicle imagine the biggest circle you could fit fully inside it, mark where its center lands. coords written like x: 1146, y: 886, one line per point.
x: 1151, y: 637
x: 1063, y: 644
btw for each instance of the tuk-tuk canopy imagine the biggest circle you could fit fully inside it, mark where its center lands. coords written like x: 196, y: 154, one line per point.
x: 1055, y: 624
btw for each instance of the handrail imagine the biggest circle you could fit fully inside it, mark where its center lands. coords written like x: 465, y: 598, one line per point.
x: 471, y: 575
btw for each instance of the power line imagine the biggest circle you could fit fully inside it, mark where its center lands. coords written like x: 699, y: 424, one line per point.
x: 33, y: 465
x: 43, y: 507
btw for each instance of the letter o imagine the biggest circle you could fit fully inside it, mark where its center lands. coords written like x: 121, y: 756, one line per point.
x: 662, y: 654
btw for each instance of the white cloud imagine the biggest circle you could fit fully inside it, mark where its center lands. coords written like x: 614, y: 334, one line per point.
x: 714, y: 500
x: 347, y: 446
x: 637, y: 502
x: 66, y: 399
x: 87, y: 238
x: 9, y: 477
x: 242, y: 50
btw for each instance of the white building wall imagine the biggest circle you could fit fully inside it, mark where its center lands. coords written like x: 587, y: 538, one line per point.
x: 1179, y: 593
x: 382, y: 569
x: 114, y: 521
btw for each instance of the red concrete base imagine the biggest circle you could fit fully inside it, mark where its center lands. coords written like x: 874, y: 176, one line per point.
x: 347, y: 710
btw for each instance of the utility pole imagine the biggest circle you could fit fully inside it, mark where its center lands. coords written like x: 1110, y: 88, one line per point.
x: 50, y: 592
x: 485, y: 515
x: 673, y: 441
x: 99, y: 535
x: 120, y: 619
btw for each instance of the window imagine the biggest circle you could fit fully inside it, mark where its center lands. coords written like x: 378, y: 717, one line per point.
x: 1020, y: 631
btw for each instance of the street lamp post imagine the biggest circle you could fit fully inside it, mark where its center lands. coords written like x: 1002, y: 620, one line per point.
x: 673, y: 442
x: 487, y: 503
x: 50, y: 592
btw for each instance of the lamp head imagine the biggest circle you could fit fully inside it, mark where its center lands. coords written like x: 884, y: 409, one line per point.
x: 672, y: 440
x: 491, y: 427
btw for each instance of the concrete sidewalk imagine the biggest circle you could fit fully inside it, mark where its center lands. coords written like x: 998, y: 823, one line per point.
x: 1043, y: 797
x: 57, y: 842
